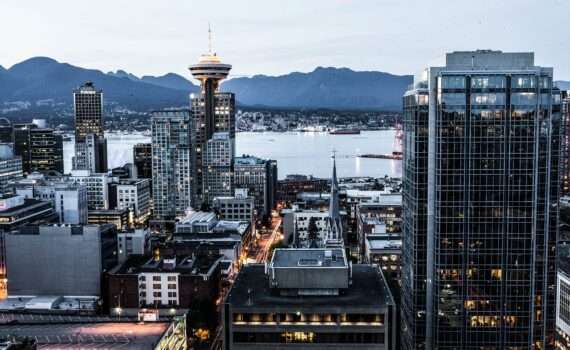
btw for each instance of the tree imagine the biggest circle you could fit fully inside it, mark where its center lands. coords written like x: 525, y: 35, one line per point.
x: 313, y: 229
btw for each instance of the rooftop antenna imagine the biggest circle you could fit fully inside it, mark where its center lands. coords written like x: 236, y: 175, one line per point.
x: 209, y: 39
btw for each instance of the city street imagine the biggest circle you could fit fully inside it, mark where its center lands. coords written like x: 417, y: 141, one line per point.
x: 258, y: 251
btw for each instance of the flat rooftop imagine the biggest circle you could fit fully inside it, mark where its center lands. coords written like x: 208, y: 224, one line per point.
x: 183, y: 264
x: 251, y: 291
x: 129, y: 336
x: 308, y: 258
x: 384, y: 244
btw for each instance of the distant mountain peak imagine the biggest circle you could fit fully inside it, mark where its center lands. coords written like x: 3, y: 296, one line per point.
x: 122, y: 74
x: 36, y: 62
x: 171, y: 81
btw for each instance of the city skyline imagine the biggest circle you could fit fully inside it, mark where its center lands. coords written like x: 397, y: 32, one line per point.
x: 266, y: 41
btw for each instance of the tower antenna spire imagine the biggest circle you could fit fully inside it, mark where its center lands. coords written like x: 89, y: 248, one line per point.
x: 209, y: 38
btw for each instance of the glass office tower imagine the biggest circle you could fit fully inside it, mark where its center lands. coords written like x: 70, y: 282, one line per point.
x: 480, y: 211
x: 90, y: 142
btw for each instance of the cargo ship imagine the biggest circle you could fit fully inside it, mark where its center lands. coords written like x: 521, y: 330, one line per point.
x: 345, y: 132
x: 394, y: 155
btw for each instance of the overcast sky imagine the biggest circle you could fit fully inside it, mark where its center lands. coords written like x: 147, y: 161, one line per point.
x: 279, y: 36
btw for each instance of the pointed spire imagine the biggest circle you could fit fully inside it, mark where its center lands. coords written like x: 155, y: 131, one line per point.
x: 209, y: 39
x: 334, y: 181
x: 335, y: 233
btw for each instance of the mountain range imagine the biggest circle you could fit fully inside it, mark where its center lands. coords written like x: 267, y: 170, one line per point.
x: 43, y: 78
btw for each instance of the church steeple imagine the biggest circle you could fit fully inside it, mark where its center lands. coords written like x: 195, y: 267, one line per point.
x: 335, y: 236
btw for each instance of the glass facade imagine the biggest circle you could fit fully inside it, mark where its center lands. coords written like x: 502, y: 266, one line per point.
x: 480, y: 268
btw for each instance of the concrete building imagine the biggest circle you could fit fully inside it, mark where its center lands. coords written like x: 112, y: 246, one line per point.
x: 133, y: 195
x: 171, y: 164
x: 133, y: 242
x: 16, y: 211
x: 212, y: 112
x: 480, y: 204
x: 97, y: 187
x: 67, y: 260
x: 90, y: 143
x: 309, y: 299
x: 10, y: 168
x: 240, y: 207
x: 259, y: 177
x: 68, y: 199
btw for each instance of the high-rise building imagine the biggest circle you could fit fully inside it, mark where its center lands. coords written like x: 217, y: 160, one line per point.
x: 90, y: 143
x: 565, y: 185
x: 171, y: 164
x: 46, y: 151
x: 480, y: 194
x: 259, y: 177
x: 218, y: 157
x: 142, y: 158
x: 212, y: 112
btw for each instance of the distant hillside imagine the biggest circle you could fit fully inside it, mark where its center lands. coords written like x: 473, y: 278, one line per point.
x: 335, y: 88
x: 563, y: 85
x: 42, y: 78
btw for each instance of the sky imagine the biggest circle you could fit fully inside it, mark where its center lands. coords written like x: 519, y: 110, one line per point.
x: 274, y: 37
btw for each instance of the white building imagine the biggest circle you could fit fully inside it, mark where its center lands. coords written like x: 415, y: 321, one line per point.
x: 97, y: 188
x: 296, y: 226
x: 133, y: 195
x: 69, y: 199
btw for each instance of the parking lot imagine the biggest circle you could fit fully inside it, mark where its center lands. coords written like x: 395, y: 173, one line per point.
x: 90, y: 336
x: 41, y: 319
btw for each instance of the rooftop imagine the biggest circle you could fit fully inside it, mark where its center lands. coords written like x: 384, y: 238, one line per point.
x: 249, y: 160
x: 198, y: 217
x: 251, y: 291
x: 308, y: 258
x: 382, y: 243
x: 136, y: 264
x: 128, y: 336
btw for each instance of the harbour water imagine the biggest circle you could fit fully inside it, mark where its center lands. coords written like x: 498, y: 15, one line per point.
x: 305, y: 153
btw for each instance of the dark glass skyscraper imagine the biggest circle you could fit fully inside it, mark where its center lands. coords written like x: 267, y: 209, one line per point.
x: 480, y: 204
x: 40, y: 149
x: 212, y: 112
x: 90, y: 143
